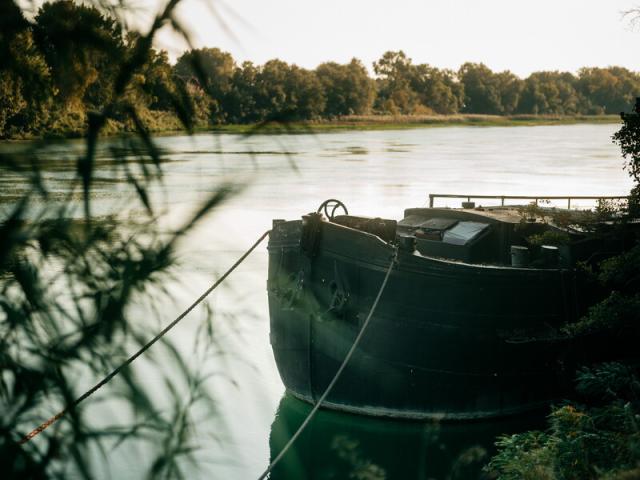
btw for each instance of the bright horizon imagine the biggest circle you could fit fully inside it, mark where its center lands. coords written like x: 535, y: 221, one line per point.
x: 565, y: 35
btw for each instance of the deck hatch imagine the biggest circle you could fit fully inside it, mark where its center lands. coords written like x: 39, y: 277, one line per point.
x: 419, y: 221
x: 464, y: 232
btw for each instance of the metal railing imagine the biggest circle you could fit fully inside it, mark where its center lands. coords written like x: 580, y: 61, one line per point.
x: 535, y: 198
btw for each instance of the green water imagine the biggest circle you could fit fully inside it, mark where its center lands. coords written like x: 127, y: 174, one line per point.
x: 338, y: 445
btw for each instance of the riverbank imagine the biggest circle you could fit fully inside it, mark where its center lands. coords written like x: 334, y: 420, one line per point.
x: 397, y: 122
x: 165, y: 123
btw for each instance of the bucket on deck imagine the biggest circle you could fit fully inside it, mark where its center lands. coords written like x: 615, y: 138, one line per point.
x: 519, y: 256
x: 550, y: 256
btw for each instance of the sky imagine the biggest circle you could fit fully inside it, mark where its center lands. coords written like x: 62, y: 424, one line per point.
x: 504, y: 34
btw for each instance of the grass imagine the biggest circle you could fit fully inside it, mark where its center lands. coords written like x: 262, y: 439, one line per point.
x: 165, y: 123
x: 398, y: 122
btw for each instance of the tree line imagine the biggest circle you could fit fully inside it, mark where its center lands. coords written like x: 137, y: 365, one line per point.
x: 57, y: 68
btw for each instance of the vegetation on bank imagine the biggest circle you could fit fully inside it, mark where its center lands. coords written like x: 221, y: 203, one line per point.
x: 167, y: 123
x: 595, y: 438
x: 595, y: 434
x: 399, y: 122
x: 58, y: 68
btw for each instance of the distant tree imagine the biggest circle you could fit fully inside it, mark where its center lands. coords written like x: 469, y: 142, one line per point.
x: 211, y: 70
x: 407, y: 88
x: 348, y: 89
x: 12, y: 23
x: 80, y: 45
x: 25, y: 88
x: 240, y: 102
x: 305, y: 97
x: 481, y: 89
x: 394, y: 73
x: 12, y: 101
x: 158, y: 81
x: 394, y: 66
x: 285, y: 93
x: 608, y: 90
x: 550, y: 93
x: 510, y: 88
x: 270, y: 94
x: 437, y: 90
x: 25, y: 92
x: 57, y: 67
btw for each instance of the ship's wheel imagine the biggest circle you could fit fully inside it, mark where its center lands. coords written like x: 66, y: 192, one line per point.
x: 329, y: 207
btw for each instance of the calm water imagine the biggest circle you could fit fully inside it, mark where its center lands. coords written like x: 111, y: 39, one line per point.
x: 375, y: 173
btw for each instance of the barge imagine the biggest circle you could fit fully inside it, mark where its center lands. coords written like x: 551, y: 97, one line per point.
x: 466, y: 328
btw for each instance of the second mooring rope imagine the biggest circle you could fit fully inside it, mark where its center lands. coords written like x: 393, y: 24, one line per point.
x: 144, y: 348
x: 336, y: 376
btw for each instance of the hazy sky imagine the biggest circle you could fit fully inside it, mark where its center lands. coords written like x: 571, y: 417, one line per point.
x: 504, y: 34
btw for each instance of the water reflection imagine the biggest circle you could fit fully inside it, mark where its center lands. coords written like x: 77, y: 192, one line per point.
x: 341, y: 446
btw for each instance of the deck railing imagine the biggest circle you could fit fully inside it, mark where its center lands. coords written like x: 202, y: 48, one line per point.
x: 535, y: 198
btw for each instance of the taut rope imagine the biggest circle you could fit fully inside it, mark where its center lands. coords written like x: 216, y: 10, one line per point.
x: 336, y: 376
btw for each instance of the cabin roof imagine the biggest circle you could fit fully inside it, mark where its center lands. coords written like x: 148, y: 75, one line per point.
x: 508, y: 214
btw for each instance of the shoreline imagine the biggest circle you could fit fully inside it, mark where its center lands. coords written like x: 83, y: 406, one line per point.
x: 404, y: 122
x: 358, y: 123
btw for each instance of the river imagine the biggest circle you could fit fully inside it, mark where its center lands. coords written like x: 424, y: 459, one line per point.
x: 376, y: 173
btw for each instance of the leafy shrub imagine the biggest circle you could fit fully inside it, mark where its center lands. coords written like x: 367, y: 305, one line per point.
x: 615, y: 312
x: 622, y: 272
x: 523, y: 456
x: 581, y: 442
x: 549, y: 237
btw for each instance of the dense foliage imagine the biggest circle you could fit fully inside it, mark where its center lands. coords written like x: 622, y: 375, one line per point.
x: 64, y: 72
x: 628, y: 137
x: 76, y: 288
x: 598, y: 438
x: 596, y: 435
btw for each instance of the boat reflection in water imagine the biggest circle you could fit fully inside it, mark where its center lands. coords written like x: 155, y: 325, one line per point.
x: 338, y: 445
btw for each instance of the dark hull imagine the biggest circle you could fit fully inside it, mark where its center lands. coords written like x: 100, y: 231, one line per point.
x: 448, y: 339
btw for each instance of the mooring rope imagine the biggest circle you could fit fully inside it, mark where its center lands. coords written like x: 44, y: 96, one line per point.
x: 336, y: 376
x: 144, y: 348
